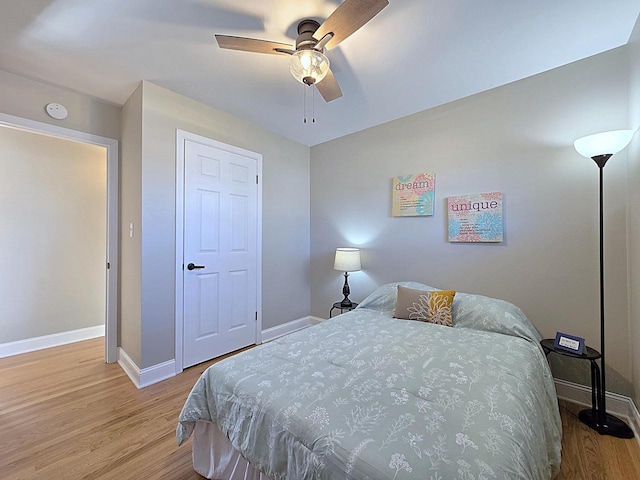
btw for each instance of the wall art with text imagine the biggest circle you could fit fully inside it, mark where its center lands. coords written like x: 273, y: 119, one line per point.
x: 475, y: 218
x: 413, y: 195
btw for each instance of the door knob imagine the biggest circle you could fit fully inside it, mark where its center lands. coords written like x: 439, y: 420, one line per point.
x: 191, y: 266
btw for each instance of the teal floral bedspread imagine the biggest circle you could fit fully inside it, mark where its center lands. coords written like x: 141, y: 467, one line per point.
x: 366, y: 396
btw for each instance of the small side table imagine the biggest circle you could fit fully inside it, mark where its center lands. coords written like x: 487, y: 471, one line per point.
x: 338, y: 306
x: 597, y: 397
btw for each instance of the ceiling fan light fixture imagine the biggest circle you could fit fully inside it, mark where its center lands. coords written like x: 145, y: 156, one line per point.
x: 308, y: 66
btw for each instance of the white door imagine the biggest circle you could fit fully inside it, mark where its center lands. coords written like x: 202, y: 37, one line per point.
x: 220, y: 252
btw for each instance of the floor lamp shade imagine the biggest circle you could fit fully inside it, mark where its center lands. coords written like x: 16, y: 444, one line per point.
x: 600, y: 147
x: 347, y: 260
x: 603, y: 143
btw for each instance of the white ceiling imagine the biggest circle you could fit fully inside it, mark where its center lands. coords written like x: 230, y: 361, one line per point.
x: 414, y: 55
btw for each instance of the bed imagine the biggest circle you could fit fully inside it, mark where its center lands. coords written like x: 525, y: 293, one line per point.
x: 367, y: 396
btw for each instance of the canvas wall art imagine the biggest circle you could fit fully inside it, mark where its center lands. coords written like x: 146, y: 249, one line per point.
x: 413, y: 195
x: 475, y: 218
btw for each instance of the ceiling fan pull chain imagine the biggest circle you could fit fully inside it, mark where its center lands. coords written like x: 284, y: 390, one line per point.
x: 313, y: 105
x: 304, y: 90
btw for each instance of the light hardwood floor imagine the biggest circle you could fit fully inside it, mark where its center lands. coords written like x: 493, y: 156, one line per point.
x: 65, y: 415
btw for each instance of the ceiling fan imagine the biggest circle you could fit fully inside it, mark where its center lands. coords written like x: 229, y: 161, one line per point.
x: 308, y: 63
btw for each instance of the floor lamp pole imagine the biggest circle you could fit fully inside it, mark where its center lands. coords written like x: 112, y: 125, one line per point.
x: 602, y: 410
x: 604, y: 422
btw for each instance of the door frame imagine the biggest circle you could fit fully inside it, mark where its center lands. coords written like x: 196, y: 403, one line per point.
x: 111, y: 145
x: 181, y: 137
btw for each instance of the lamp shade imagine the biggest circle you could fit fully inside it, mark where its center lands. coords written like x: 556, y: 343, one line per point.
x: 347, y: 260
x: 308, y: 66
x: 606, y: 143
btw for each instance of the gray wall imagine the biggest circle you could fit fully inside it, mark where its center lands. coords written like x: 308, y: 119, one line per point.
x: 53, y: 241
x: 633, y: 182
x: 285, y: 241
x: 130, y: 281
x: 516, y: 139
x: 22, y: 97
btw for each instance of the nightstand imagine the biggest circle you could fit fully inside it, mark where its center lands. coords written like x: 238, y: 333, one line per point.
x: 597, y: 397
x: 338, y: 306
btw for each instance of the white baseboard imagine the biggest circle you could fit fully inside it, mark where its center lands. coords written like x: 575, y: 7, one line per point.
x: 147, y: 376
x: 634, y: 420
x: 316, y: 320
x: 48, y: 341
x: 285, y: 329
x: 129, y: 367
x: 618, y: 405
x: 157, y: 373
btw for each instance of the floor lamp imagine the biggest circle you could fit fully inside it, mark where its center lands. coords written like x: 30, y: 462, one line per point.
x: 600, y: 148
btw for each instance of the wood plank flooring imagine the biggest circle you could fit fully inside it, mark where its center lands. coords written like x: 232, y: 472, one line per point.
x: 590, y: 456
x: 66, y: 415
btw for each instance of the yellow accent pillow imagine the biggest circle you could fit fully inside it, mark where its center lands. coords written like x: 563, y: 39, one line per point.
x: 426, y: 306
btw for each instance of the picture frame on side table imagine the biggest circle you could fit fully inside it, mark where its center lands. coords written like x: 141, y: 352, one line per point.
x: 569, y: 343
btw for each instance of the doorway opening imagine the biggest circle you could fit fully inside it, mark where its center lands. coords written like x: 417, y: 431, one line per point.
x: 61, y: 223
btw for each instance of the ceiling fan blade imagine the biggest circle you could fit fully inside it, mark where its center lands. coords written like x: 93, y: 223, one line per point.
x: 347, y: 18
x: 329, y: 88
x: 253, y: 45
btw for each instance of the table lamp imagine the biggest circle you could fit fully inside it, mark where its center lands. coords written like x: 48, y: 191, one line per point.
x: 347, y: 260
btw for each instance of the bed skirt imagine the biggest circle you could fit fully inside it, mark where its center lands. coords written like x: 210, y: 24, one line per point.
x: 215, y: 458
